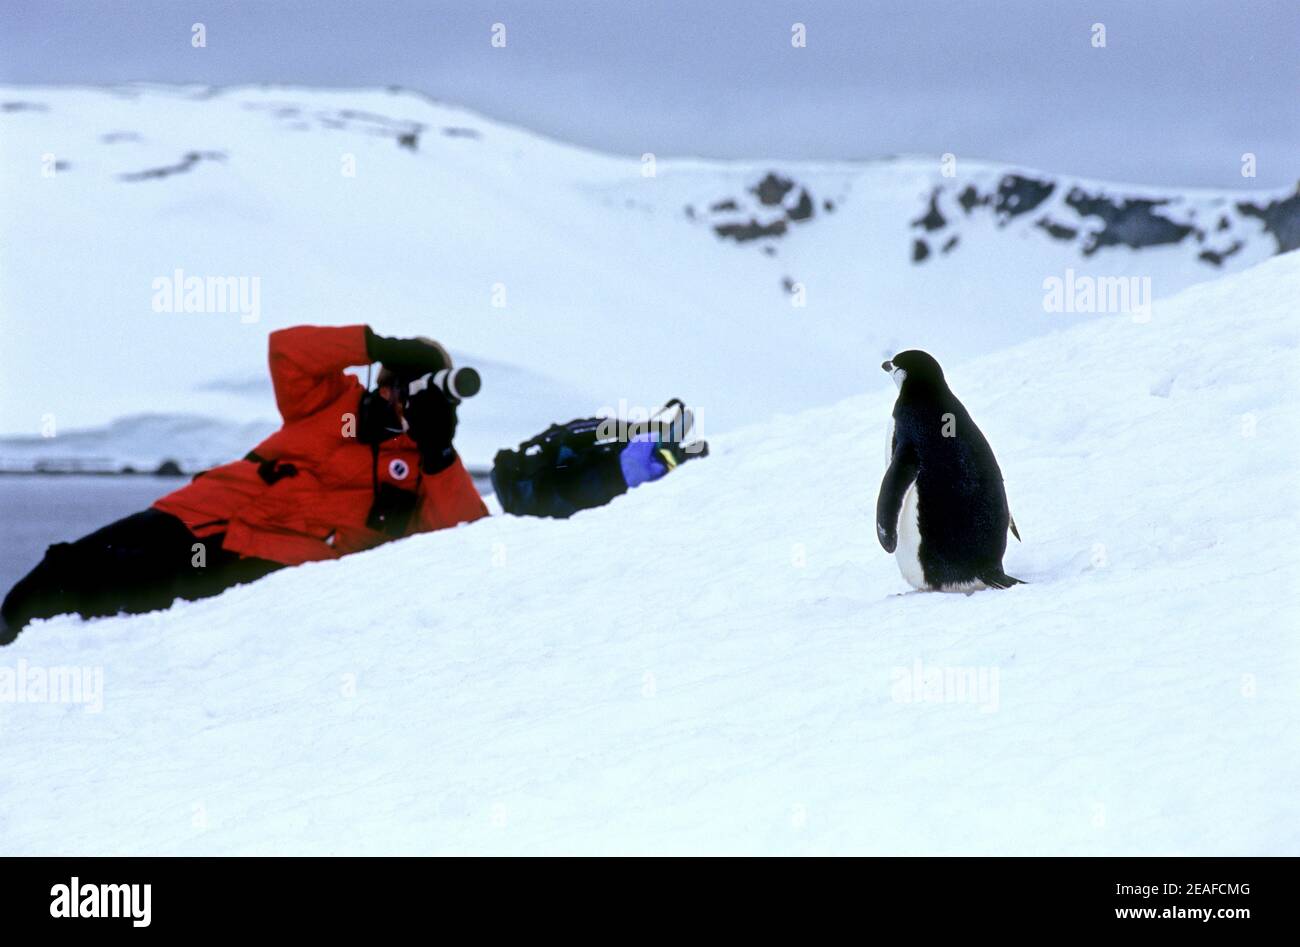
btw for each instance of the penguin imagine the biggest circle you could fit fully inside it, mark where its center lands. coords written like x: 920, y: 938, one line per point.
x: 942, y: 508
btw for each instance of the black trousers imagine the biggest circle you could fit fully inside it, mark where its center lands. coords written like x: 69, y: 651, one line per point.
x: 138, y: 564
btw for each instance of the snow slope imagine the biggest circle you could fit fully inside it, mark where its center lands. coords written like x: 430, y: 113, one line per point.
x: 579, y: 279
x: 721, y: 662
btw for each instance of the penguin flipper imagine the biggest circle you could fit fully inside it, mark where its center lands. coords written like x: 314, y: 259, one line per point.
x: 900, y: 475
x: 1014, y: 532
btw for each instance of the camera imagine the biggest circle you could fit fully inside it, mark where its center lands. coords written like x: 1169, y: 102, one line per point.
x: 456, y: 383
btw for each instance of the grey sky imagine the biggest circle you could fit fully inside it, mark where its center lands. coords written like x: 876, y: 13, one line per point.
x: 1181, y: 90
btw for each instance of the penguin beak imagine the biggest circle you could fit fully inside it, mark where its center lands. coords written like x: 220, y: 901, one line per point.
x: 895, y: 373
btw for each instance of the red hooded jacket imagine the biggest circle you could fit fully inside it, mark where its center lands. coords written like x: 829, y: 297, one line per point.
x: 320, y: 511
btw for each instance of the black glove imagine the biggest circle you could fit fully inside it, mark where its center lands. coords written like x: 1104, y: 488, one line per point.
x: 431, y: 420
x: 409, y: 357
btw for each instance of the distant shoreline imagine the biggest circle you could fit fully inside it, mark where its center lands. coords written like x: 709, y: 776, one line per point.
x: 167, y: 475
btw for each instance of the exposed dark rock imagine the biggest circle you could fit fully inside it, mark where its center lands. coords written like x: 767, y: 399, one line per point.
x: 802, y: 210
x: 23, y: 107
x: 828, y: 206
x: 971, y: 198
x: 1281, y: 219
x: 931, y: 220
x: 772, y: 189
x: 1133, y: 222
x: 1056, y: 231
x: 186, y: 163
x: 1217, y: 257
x: 373, y: 117
x: 950, y: 243
x: 405, y: 132
x: 1019, y: 195
x: 690, y: 212
x: 788, y: 284
x: 169, y: 468
x: 769, y: 250
x: 750, y: 231
x: 1130, y: 222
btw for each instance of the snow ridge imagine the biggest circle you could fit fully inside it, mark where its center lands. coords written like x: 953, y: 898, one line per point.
x: 724, y: 661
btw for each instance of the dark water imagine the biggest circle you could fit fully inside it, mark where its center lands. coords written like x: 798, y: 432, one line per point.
x: 38, y: 510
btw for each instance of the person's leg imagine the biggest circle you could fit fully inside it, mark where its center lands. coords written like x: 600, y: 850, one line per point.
x: 130, y: 565
x: 221, y: 571
x: 593, y: 481
x: 39, y: 594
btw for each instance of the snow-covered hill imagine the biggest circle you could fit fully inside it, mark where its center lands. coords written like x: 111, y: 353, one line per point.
x: 195, y: 442
x: 579, y: 280
x: 725, y: 661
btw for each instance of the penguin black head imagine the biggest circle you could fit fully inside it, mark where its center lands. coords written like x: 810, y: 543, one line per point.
x: 916, y: 365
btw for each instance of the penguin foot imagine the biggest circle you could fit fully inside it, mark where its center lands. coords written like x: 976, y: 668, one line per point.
x: 997, y: 579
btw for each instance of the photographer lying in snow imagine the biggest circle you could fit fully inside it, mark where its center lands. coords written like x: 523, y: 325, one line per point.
x: 349, y: 470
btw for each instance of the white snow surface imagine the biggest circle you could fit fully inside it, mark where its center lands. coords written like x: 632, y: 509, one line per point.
x: 576, y: 280
x: 714, y: 663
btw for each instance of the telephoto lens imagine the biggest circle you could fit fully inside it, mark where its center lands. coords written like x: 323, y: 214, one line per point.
x: 455, y: 383
x: 680, y: 453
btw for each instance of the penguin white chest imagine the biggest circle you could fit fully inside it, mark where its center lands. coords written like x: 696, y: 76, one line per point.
x: 908, y: 550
